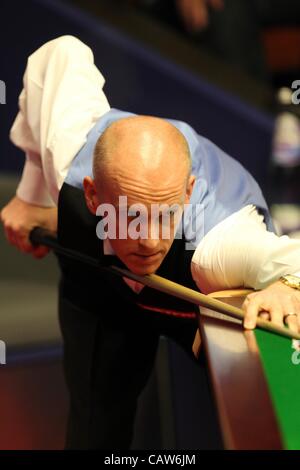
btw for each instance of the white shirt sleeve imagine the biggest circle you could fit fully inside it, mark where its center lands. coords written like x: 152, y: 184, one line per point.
x: 240, y: 252
x: 61, y: 100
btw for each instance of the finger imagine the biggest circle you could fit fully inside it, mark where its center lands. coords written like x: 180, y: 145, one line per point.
x: 17, y: 238
x: 40, y: 251
x: 264, y: 315
x: 10, y: 235
x: 25, y: 245
x: 277, y: 315
x: 252, y: 310
x: 290, y: 307
x: 248, y: 298
x: 290, y: 303
x: 292, y: 322
x: 23, y: 242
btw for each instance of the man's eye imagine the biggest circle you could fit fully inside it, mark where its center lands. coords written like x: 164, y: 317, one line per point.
x: 166, y: 216
x: 133, y: 215
x: 169, y: 213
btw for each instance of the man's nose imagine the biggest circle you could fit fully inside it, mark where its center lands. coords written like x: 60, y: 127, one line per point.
x: 151, y: 243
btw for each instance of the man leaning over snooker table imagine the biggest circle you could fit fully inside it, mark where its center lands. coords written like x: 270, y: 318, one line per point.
x: 80, y: 154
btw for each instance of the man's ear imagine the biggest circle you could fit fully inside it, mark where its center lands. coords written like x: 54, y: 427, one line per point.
x: 90, y: 194
x: 189, y: 188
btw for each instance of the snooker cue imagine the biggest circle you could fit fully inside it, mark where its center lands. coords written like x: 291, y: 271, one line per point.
x: 40, y: 236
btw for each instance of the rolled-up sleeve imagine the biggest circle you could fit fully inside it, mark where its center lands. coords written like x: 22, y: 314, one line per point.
x: 32, y: 187
x: 241, y: 252
x: 61, y: 100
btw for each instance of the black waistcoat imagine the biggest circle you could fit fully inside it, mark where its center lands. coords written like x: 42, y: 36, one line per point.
x: 77, y: 231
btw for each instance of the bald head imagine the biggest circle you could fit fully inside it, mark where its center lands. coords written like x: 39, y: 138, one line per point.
x: 147, y: 160
x: 142, y: 153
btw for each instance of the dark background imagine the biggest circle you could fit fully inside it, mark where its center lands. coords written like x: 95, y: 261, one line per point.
x: 166, y: 80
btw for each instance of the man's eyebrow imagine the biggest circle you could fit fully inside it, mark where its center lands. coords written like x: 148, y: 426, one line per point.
x: 163, y: 206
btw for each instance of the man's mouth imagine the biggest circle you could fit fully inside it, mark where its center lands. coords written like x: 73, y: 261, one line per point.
x: 146, y: 258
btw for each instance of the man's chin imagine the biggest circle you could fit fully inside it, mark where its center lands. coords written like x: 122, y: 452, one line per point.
x: 143, y: 270
x: 144, y: 267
